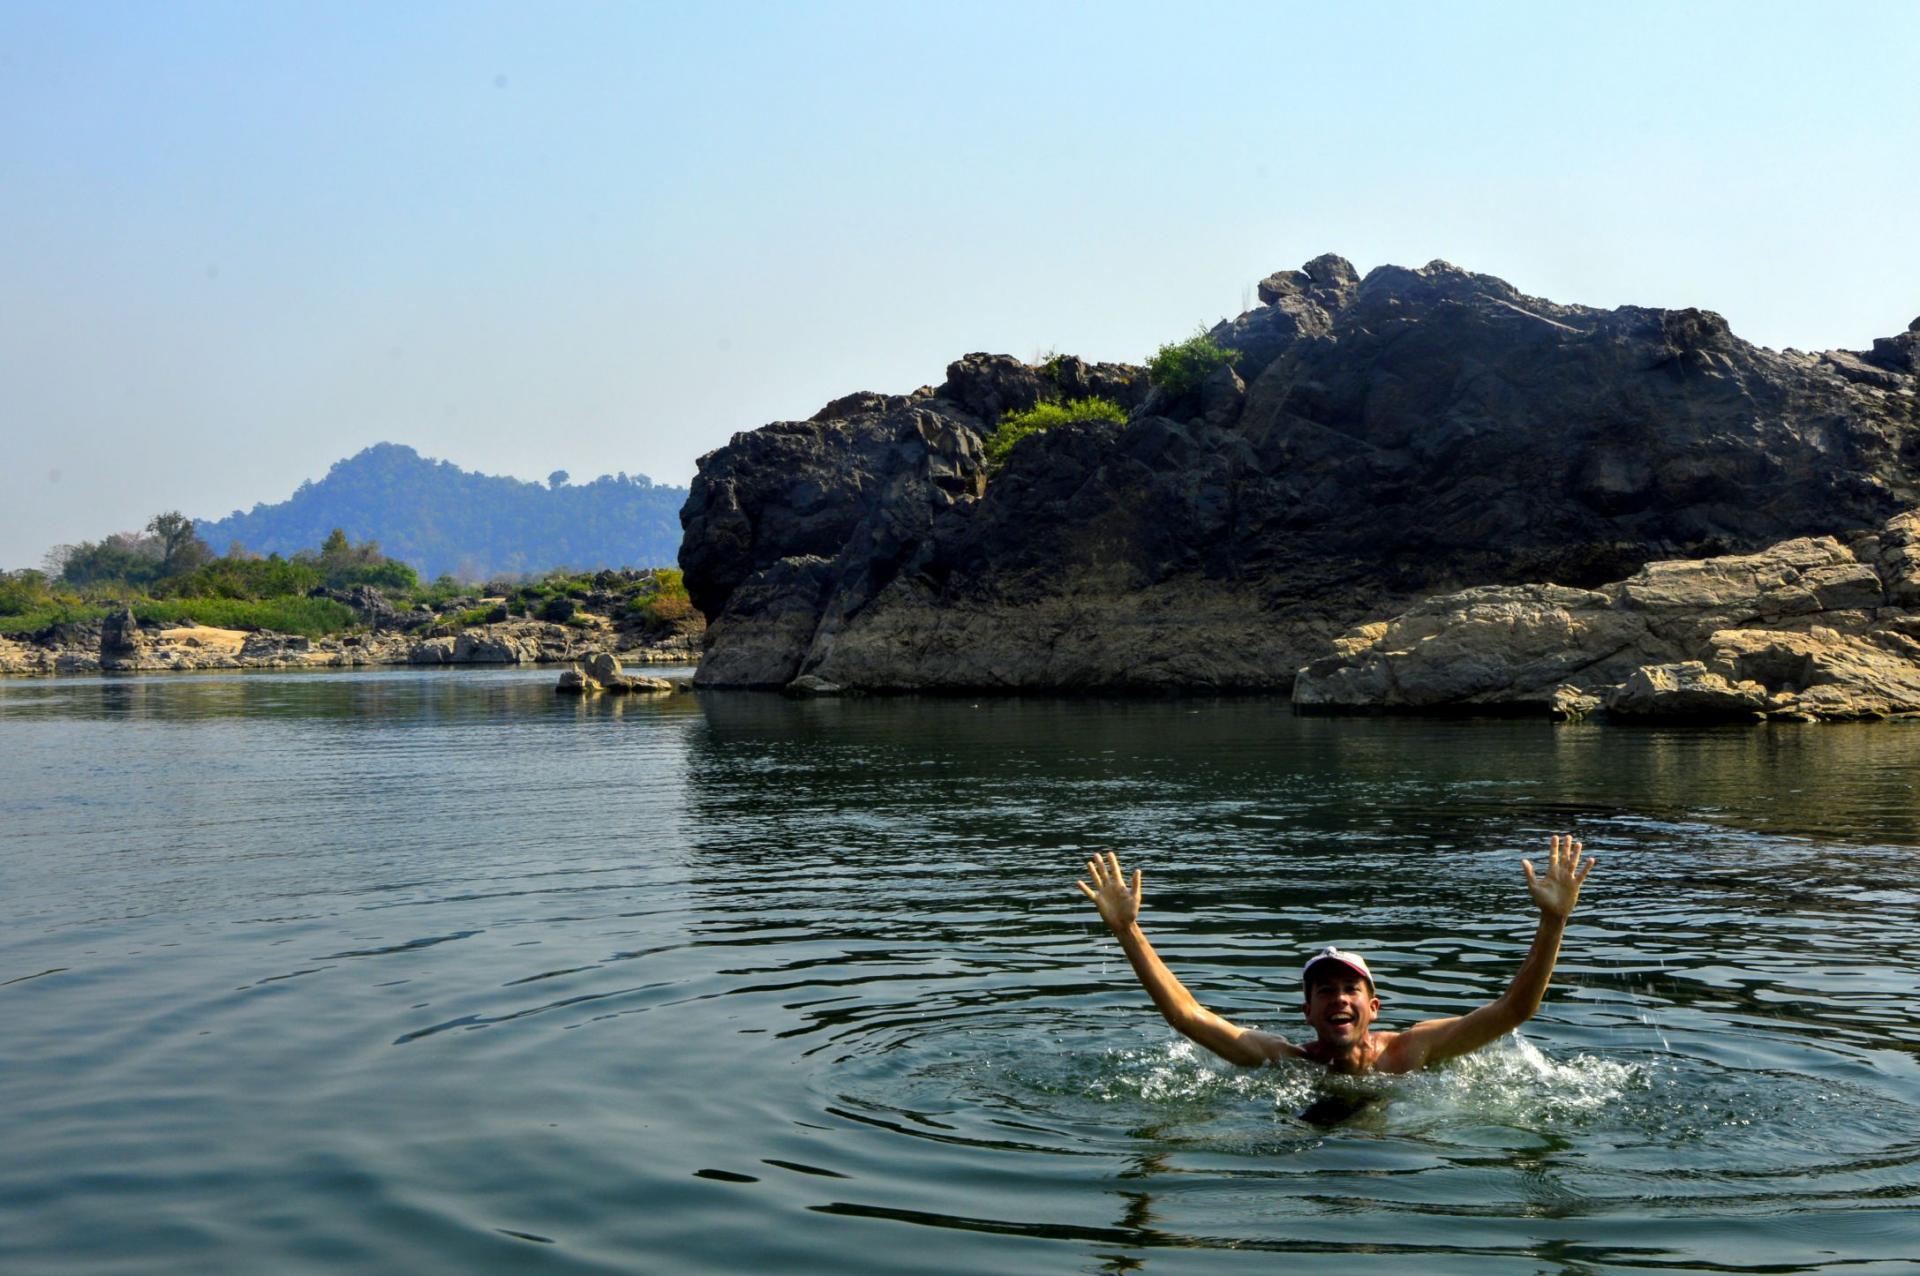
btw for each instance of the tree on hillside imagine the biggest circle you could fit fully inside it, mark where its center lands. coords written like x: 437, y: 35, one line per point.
x: 165, y: 549
x: 180, y: 550
x: 344, y: 564
x: 128, y: 558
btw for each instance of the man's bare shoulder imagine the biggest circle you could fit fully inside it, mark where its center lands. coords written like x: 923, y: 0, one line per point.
x: 1395, y: 1051
x: 1271, y: 1046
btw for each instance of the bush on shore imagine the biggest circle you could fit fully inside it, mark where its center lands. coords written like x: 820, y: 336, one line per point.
x: 313, y: 617
x: 243, y: 591
x: 61, y: 612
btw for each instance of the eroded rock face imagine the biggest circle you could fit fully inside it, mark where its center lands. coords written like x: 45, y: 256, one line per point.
x: 1802, y: 630
x: 798, y: 527
x: 123, y: 644
x: 1380, y: 440
x: 371, y: 606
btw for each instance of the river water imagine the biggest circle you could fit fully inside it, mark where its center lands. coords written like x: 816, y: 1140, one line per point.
x: 421, y: 971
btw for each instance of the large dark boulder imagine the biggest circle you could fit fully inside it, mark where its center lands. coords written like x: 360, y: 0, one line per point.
x: 1518, y: 439
x: 123, y: 644
x: 985, y: 387
x: 791, y: 530
x: 1380, y: 440
x: 369, y: 604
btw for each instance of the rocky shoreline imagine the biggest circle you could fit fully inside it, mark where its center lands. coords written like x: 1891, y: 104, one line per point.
x: 1811, y: 629
x: 121, y: 644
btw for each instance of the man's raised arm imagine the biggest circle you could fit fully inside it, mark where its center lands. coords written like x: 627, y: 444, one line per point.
x: 1555, y: 891
x: 1119, y: 907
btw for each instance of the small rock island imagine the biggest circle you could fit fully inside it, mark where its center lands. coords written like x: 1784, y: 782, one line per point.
x: 1418, y: 491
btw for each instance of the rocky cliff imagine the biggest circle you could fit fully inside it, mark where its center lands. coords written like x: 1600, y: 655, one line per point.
x: 1380, y: 441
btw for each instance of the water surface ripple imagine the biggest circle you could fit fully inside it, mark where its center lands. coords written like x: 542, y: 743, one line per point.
x: 422, y: 971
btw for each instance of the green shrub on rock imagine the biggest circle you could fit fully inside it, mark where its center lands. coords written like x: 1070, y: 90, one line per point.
x: 1180, y: 367
x: 660, y: 599
x: 1042, y: 416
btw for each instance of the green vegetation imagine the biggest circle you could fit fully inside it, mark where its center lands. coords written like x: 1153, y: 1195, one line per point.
x: 166, y: 548
x: 445, y: 591
x: 30, y: 602
x: 655, y: 600
x: 314, y: 617
x: 22, y: 592
x: 169, y: 560
x: 168, y: 576
x: 1180, y: 367
x: 1043, y: 416
x: 236, y: 577
x: 344, y: 565
x: 467, y: 619
x: 663, y: 603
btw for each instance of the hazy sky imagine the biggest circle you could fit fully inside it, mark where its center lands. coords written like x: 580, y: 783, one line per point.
x: 243, y: 241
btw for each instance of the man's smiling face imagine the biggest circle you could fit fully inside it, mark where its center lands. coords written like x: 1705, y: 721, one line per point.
x: 1340, y: 1006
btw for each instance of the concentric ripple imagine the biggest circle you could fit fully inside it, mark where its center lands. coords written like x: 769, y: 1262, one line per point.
x: 436, y: 971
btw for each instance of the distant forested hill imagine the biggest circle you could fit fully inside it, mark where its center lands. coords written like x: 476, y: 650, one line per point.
x: 443, y: 519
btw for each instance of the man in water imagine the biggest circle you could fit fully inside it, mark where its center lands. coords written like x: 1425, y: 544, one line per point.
x: 1339, y: 1000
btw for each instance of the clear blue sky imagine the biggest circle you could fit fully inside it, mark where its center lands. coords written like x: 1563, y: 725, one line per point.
x: 242, y: 241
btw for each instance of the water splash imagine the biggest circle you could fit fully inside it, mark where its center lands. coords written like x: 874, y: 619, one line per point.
x: 1512, y: 1082
x: 1179, y: 1073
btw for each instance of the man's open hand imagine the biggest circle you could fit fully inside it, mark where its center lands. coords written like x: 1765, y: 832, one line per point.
x: 1118, y: 903
x: 1557, y: 889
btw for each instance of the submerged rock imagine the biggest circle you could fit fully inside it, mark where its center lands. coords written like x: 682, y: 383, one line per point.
x: 600, y: 672
x: 1570, y: 704
x: 1687, y: 689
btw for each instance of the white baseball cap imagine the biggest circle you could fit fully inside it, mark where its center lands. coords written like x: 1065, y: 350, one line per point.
x: 1352, y: 961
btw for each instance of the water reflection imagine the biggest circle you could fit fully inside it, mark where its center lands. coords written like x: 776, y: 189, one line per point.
x: 420, y: 699
x: 1850, y: 780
